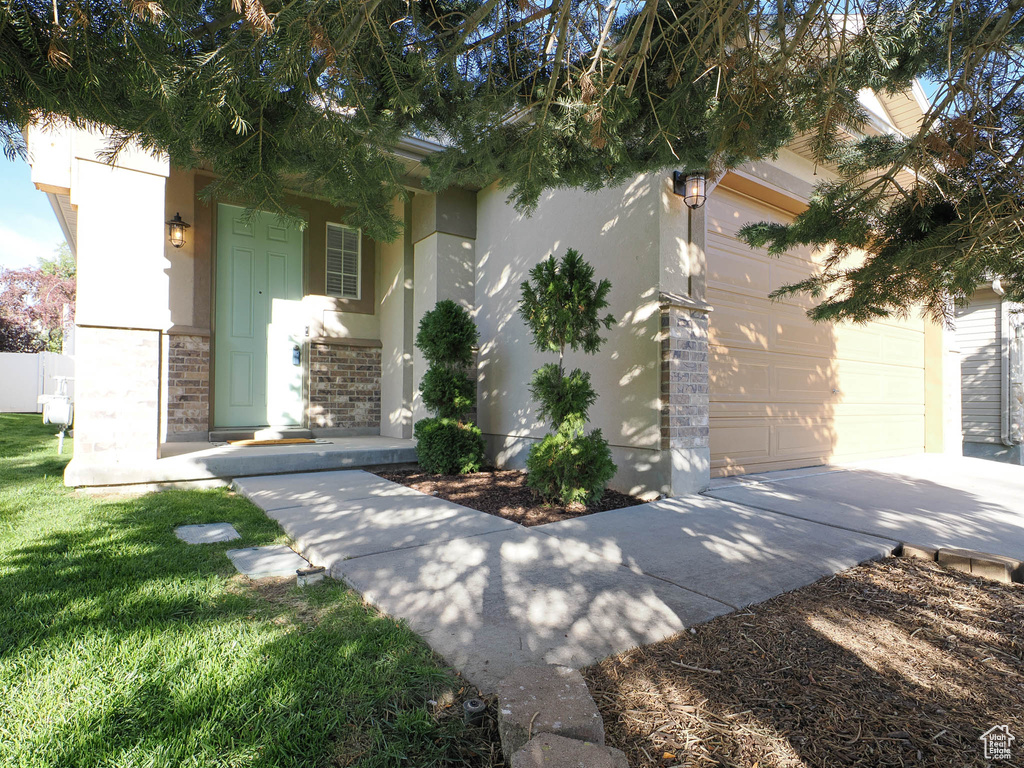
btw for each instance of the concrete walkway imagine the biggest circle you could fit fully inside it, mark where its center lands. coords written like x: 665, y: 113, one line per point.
x: 489, y: 595
x: 929, y: 499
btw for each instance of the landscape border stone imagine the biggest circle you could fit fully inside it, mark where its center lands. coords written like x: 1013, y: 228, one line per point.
x: 983, y: 564
x: 919, y: 552
x: 550, y: 751
x: 546, y: 699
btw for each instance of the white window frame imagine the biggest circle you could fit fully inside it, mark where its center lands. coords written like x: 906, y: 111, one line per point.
x: 359, y: 262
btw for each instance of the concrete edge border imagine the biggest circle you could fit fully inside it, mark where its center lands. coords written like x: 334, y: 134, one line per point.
x: 1007, y: 570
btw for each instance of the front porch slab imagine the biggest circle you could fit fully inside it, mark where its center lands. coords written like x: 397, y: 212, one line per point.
x: 203, y: 462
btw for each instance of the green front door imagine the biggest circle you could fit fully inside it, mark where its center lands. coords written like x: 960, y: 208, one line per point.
x: 258, y: 375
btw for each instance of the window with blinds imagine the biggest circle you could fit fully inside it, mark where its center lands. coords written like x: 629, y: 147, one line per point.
x: 343, y: 261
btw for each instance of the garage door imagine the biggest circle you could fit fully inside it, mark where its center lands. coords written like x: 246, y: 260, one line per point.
x: 786, y: 392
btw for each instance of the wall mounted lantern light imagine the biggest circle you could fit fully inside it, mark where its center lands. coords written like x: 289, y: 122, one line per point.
x: 176, y: 230
x: 692, y: 187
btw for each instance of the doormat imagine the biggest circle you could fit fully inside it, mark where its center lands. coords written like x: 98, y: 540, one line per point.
x: 281, y: 441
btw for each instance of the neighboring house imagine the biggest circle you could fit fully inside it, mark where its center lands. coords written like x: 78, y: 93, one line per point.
x: 991, y: 340
x: 251, y: 323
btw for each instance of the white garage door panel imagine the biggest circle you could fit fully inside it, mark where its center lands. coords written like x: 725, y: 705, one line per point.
x: 880, y: 344
x: 754, y: 325
x: 741, y: 272
x: 786, y: 392
x: 742, y: 443
x: 879, y: 385
x: 860, y: 437
x: 740, y: 326
x: 760, y: 376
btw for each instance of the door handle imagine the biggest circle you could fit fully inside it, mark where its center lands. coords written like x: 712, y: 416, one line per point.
x: 296, y: 355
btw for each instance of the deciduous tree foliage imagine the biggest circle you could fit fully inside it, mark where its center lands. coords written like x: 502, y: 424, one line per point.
x: 314, y: 96
x: 33, y: 303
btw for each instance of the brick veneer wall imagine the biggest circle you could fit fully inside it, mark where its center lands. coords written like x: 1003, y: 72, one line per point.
x: 685, y: 419
x: 344, y: 387
x: 188, y: 384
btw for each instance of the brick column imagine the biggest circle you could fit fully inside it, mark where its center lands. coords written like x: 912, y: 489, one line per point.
x: 685, y: 424
x: 188, y: 387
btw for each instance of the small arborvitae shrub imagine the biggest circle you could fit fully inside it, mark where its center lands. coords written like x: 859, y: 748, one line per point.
x: 562, y: 305
x: 447, y: 335
x: 573, y: 470
x: 448, y: 447
x: 564, y: 399
x: 445, y: 444
x: 447, y: 392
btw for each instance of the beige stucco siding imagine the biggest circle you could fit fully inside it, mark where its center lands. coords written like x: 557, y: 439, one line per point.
x: 786, y: 392
x: 122, y: 264
x: 396, y: 326
x: 616, y: 230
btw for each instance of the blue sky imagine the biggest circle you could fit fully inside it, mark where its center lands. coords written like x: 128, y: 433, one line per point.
x: 28, y: 228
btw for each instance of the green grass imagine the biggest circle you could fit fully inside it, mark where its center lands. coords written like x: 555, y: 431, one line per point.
x: 122, y: 646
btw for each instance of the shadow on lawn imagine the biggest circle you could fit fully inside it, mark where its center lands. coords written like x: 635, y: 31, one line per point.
x: 891, y: 664
x: 127, y: 646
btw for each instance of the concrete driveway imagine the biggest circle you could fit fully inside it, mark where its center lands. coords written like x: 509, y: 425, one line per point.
x: 929, y: 499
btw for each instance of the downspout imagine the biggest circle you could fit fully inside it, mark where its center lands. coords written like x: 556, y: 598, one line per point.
x: 1005, y: 387
x: 1015, y: 315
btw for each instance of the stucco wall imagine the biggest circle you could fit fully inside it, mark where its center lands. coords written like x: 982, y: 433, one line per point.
x: 396, y: 328
x: 617, y: 230
x: 443, y: 269
x: 179, y: 198
x: 122, y: 265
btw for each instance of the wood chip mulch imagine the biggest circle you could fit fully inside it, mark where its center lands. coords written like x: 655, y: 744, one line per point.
x: 893, y: 663
x: 503, y: 493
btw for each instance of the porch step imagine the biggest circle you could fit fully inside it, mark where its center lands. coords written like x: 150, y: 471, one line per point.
x: 224, y: 435
x: 282, y: 433
x: 264, y: 433
x: 221, y: 463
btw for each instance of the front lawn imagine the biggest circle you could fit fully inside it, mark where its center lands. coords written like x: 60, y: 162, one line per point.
x: 122, y: 646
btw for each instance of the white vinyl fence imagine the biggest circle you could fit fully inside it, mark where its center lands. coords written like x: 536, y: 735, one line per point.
x: 25, y: 376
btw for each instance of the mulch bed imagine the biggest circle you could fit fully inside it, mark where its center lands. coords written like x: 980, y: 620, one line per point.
x: 894, y: 663
x: 502, y: 493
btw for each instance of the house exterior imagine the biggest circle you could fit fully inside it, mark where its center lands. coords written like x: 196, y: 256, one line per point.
x: 252, y: 324
x: 990, y: 336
